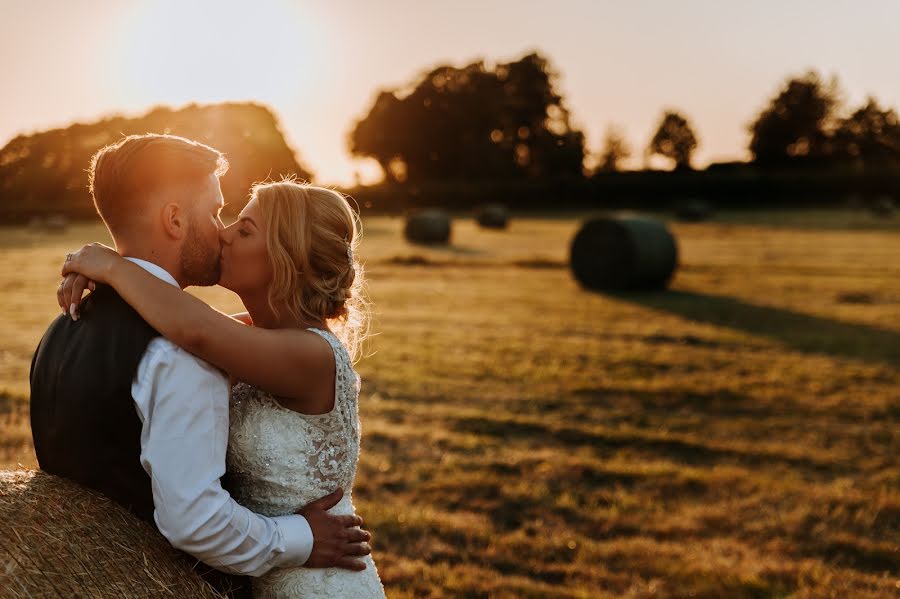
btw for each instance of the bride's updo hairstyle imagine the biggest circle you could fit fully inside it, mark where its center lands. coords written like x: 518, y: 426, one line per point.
x: 311, y: 236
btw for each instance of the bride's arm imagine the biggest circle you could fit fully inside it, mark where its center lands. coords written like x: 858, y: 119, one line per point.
x: 281, y: 362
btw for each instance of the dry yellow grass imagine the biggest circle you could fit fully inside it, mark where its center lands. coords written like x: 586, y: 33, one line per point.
x: 736, y: 436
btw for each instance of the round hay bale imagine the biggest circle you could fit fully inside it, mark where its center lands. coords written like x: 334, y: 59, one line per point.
x: 59, y: 539
x: 623, y: 252
x: 493, y: 216
x: 431, y: 227
x: 693, y: 211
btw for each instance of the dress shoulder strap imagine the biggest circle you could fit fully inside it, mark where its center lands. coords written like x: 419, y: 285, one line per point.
x: 346, y: 381
x: 341, y: 357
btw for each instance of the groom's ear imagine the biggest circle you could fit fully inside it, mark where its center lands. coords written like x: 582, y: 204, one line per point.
x: 174, y: 221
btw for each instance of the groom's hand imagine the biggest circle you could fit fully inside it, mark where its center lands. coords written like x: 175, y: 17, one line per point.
x: 336, y: 539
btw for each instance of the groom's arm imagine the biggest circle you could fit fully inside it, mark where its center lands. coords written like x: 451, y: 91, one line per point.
x: 183, y: 403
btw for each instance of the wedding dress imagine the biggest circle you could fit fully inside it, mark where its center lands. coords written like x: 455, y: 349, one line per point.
x: 279, y: 460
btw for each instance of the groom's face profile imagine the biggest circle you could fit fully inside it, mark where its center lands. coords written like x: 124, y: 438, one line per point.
x: 201, y: 249
x: 159, y: 196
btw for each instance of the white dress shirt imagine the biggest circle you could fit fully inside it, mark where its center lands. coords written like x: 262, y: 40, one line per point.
x: 183, y: 404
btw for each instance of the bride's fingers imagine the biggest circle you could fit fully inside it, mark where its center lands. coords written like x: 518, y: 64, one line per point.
x: 59, y: 297
x: 71, y: 290
x: 78, y: 287
x: 69, y: 264
x: 68, y: 284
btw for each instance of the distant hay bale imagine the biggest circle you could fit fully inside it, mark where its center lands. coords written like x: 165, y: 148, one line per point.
x: 430, y: 227
x: 693, y: 210
x: 62, y: 540
x: 492, y: 216
x: 623, y: 252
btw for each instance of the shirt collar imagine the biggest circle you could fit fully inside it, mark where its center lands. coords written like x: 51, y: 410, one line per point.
x: 155, y: 269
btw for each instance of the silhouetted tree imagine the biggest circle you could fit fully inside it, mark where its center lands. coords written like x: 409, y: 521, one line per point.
x: 615, y: 149
x: 871, y: 135
x: 472, y: 123
x: 674, y: 139
x: 47, y: 172
x: 797, y: 122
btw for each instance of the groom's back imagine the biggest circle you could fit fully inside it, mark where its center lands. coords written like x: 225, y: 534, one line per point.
x: 83, y: 418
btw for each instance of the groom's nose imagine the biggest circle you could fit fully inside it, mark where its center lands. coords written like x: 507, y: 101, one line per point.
x: 224, y: 235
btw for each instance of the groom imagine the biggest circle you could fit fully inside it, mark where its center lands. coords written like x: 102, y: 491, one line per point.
x: 120, y: 409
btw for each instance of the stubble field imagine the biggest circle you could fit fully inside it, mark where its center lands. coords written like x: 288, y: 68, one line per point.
x: 735, y: 436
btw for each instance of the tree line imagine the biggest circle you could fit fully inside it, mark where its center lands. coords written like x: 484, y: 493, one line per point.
x: 46, y: 173
x: 511, y: 122
x: 459, y: 136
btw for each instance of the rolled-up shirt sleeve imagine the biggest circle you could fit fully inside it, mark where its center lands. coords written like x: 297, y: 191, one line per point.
x: 183, y: 404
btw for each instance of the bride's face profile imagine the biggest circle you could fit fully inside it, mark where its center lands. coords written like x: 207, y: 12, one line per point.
x: 245, y: 258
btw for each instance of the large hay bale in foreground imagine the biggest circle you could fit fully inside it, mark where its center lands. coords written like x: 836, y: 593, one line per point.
x: 58, y: 539
x: 492, y: 216
x: 430, y: 227
x: 623, y: 252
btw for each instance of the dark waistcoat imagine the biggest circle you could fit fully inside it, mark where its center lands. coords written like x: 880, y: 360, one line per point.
x: 83, y: 418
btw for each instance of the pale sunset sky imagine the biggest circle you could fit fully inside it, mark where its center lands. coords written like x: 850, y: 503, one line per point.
x: 319, y: 64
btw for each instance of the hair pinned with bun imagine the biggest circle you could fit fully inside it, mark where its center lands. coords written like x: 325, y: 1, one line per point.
x: 311, y: 235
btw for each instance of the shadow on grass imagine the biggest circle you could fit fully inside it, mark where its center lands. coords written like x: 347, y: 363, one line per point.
x: 685, y: 451
x: 804, y: 332
x: 720, y: 402
x: 859, y: 554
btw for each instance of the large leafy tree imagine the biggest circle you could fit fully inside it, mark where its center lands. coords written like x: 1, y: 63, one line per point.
x: 472, y: 123
x: 797, y: 123
x: 674, y: 139
x: 46, y: 172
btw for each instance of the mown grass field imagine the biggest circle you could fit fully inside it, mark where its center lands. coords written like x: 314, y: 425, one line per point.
x: 735, y: 436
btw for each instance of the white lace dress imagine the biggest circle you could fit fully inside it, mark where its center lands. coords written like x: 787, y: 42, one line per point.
x: 279, y: 460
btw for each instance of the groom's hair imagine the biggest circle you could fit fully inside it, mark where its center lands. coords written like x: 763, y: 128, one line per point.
x: 124, y: 173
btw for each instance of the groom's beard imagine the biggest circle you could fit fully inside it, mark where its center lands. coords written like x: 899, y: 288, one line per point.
x: 200, y: 264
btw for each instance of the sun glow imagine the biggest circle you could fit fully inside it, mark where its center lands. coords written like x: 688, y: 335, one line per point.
x: 175, y: 52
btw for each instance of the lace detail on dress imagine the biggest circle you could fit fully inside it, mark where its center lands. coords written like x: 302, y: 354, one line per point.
x: 279, y: 460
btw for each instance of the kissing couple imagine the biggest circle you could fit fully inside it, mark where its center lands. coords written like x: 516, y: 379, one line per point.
x: 236, y: 436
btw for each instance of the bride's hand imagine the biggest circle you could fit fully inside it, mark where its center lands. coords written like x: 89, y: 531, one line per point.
x: 92, y: 263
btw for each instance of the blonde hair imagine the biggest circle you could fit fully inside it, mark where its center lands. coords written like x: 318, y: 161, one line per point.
x: 311, y: 235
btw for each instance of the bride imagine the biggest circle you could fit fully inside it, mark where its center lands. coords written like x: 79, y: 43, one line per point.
x: 294, y: 433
